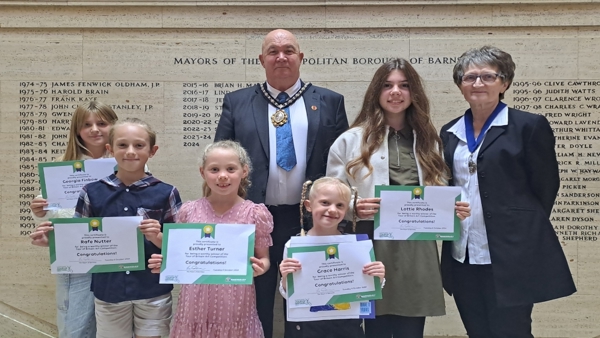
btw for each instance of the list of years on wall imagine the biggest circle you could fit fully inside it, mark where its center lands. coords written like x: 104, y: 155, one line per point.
x: 571, y: 106
x: 45, y: 109
x: 201, y: 109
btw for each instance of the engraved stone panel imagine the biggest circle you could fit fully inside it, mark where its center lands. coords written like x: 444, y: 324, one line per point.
x: 171, y: 64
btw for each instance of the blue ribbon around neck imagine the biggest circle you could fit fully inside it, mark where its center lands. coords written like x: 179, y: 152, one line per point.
x: 472, y: 142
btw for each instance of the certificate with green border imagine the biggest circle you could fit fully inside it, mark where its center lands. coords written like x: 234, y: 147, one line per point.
x: 61, y: 182
x: 417, y: 213
x: 332, y: 274
x: 98, y: 244
x: 199, y: 253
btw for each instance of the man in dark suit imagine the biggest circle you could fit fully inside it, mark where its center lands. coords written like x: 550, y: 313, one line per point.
x: 287, y: 127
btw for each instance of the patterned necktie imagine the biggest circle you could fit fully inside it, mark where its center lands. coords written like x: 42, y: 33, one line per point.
x: 286, y: 154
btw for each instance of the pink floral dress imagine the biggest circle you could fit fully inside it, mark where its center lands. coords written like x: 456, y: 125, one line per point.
x: 221, y: 311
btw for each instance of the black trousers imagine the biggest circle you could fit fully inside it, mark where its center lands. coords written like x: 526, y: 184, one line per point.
x: 287, y: 224
x: 340, y: 328
x: 388, y: 326
x: 475, y: 297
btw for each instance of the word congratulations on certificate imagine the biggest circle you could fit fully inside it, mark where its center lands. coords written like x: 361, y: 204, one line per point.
x: 417, y: 213
x: 347, y: 310
x: 94, y: 245
x: 61, y: 182
x: 332, y: 274
x: 195, y: 253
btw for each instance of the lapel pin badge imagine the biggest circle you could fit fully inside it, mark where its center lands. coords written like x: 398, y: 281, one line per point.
x: 313, y: 107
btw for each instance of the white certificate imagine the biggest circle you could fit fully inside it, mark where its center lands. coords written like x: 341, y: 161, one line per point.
x: 207, y: 253
x: 62, y: 181
x: 332, y: 274
x: 98, y: 244
x: 349, y: 310
x: 417, y: 213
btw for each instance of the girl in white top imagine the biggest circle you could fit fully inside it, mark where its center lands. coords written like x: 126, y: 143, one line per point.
x: 328, y: 201
x: 88, y: 137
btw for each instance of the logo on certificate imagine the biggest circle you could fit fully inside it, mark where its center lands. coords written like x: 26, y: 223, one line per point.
x: 303, y: 301
x: 417, y: 193
x: 208, y: 231
x: 332, y: 253
x: 385, y: 234
x: 78, y: 167
x: 172, y: 278
x: 64, y: 268
x: 95, y: 225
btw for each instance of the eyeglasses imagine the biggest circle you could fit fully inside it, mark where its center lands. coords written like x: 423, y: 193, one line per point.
x: 488, y: 78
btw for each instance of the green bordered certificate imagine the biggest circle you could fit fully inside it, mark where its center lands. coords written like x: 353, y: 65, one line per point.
x: 92, y: 245
x: 417, y: 213
x: 207, y: 253
x: 332, y: 274
x: 61, y: 182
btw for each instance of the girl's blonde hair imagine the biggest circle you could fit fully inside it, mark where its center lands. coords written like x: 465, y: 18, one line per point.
x: 136, y: 122
x: 75, y: 147
x: 345, y: 191
x: 244, y: 162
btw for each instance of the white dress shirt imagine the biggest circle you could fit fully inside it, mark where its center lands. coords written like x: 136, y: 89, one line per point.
x: 285, y: 187
x: 472, y: 233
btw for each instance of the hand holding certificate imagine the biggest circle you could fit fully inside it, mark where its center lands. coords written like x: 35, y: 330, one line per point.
x: 62, y: 181
x: 351, y: 309
x: 207, y: 253
x: 332, y: 274
x: 99, y: 244
x: 417, y: 213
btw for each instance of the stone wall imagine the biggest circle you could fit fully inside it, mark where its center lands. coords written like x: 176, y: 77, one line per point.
x: 171, y: 62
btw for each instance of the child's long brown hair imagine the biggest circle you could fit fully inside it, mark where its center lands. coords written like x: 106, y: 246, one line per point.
x: 75, y: 147
x: 371, y: 118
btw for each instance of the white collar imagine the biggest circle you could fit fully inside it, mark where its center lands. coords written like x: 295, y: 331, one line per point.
x: 458, y: 128
x: 290, y: 91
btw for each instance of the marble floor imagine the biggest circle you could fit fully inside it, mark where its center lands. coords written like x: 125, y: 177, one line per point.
x: 16, y: 324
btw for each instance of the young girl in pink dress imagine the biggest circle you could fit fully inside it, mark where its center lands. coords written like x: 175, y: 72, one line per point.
x: 223, y: 311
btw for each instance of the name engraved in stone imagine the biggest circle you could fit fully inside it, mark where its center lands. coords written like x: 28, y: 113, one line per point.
x: 562, y: 98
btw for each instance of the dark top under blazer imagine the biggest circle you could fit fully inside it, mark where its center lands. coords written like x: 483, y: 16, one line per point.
x: 518, y: 182
x: 245, y: 119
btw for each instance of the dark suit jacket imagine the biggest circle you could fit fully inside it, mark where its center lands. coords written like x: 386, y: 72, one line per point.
x: 245, y: 119
x: 518, y: 183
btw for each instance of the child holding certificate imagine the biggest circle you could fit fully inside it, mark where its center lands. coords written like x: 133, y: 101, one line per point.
x: 393, y: 141
x: 132, y: 301
x: 88, y: 137
x: 328, y: 202
x: 221, y: 311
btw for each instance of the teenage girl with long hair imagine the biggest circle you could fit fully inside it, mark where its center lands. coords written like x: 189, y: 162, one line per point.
x: 392, y: 141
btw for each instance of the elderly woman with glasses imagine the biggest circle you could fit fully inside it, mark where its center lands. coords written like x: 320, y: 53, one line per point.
x: 508, y: 256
